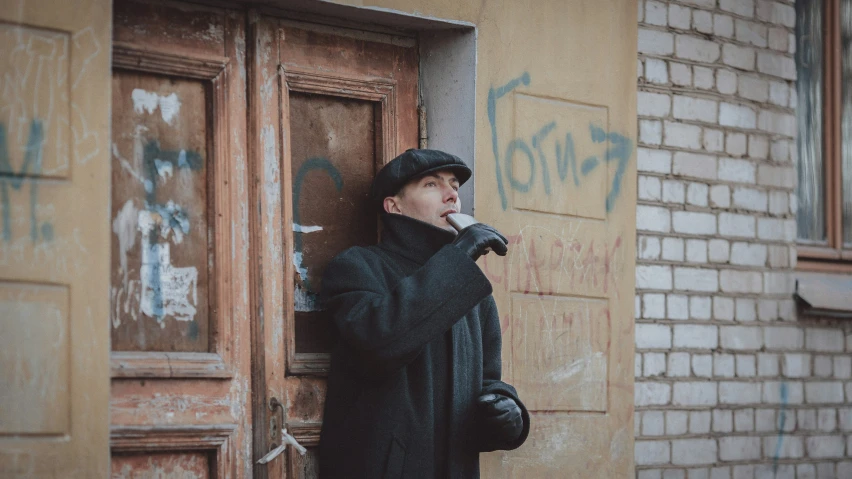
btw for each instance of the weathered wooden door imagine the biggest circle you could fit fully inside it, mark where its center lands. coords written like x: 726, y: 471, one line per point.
x: 179, y: 295
x: 54, y: 197
x: 333, y: 105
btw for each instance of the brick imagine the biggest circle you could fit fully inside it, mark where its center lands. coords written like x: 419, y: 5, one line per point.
x: 702, y: 365
x: 743, y: 8
x: 653, y: 423
x: 770, y: 229
x: 744, y: 420
x: 779, y: 93
x: 827, y: 420
x: 723, y: 26
x: 758, y: 146
x: 827, y: 340
x: 713, y: 140
x: 653, y: 161
x: 699, y: 422
x: 777, y: 122
x: 696, y: 250
x: 842, y: 367
x: 655, y: 13
x: 699, y: 109
x: 778, y: 282
x: 652, y: 452
x: 676, y: 422
x: 654, y: 42
x: 748, y: 254
x: 681, y: 74
x: 679, y: 17
x: 677, y: 306
x: 682, y: 136
x: 723, y: 365
x: 650, y: 188
x: 723, y: 308
x: 779, y: 203
x: 739, y: 448
x: 703, y: 78
x: 750, y: 199
x: 778, y: 39
x: 696, y: 279
x: 753, y: 88
x: 653, y: 364
x: 654, y: 307
x: 656, y: 71
x: 702, y: 21
x: 783, y: 338
x: 695, y: 336
x: 775, y: 12
x: 824, y: 392
x: 690, y: 452
x: 819, y: 447
x: 740, y: 171
x: 782, y: 177
x: 653, y: 104
x: 649, y: 474
x: 720, y: 196
x: 637, y: 369
x: 738, y: 57
x: 767, y: 309
x: 718, y: 251
x: 845, y: 419
x: 764, y: 420
x: 746, y: 366
x: 736, y: 116
x: 678, y: 365
x: 673, y: 249
x: 653, y: 218
x: 726, y: 82
x: 650, y: 132
x: 750, y: 32
x: 806, y: 471
x: 735, y: 144
x: 779, y: 151
x: 733, y: 281
x: 690, y: 393
x: 740, y: 337
x: 696, y: 195
x: 735, y: 225
x: 690, y: 222
x: 653, y: 336
x: 651, y: 394
x: 776, y: 64
x: 674, y: 191
x: 694, y: 165
x: 779, y: 256
x: 772, y: 392
x: 696, y: 49
x: 745, y: 309
x: 767, y: 364
x: 648, y: 247
x: 796, y: 365
x: 790, y: 447
x: 739, y: 393
x: 723, y: 421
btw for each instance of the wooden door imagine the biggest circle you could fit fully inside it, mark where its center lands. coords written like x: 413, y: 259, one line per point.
x: 334, y: 105
x: 54, y: 198
x: 179, y: 318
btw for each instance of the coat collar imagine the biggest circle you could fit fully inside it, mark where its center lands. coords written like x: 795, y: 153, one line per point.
x: 413, y: 239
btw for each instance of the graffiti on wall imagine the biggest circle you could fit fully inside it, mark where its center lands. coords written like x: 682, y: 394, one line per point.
x: 550, y: 153
x: 15, y: 180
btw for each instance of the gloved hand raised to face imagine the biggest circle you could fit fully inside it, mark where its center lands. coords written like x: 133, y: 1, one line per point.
x: 476, y: 239
x: 500, y: 419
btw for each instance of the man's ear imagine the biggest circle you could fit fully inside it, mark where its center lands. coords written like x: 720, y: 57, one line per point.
x: 391, y: 205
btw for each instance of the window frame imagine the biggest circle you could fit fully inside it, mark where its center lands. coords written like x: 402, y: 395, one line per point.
x: 831, y: 257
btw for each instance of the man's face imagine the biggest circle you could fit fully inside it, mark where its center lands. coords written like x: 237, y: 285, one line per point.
x: 429, y: 198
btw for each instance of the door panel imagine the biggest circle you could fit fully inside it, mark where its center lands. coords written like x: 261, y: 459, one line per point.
x: 180, y: 332
x: 54, y: 197
x: 348, y: 104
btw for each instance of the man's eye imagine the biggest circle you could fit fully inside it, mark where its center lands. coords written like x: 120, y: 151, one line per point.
x: 456, y: 188
x: 431, y: 183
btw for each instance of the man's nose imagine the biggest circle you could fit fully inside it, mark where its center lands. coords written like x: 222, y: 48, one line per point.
x: 452, y: 195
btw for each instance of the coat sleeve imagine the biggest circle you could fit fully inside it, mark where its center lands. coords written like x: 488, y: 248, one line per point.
x: 387, y: 325
x: 492, y: 373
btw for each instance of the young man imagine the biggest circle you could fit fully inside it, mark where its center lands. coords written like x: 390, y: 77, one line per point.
x: 415, y: 389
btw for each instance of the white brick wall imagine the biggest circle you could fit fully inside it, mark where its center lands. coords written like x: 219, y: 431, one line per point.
x: 727, y: 377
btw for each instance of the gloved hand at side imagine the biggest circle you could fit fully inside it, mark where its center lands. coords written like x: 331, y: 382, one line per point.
x: 500, y: 420
x: 477, y: 238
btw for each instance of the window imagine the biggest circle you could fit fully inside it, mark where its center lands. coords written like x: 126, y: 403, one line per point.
x: 824, y: 116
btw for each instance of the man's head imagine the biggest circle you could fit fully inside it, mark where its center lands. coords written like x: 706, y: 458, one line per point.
x: 422, y: 184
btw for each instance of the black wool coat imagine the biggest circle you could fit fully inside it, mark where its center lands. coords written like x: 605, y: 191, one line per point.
x: 419, y: 342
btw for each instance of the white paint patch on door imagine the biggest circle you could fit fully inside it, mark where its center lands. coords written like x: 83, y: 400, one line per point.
x: 124, y: 226
x: 305, y: 229
x: 167, y: 291
x: 147, y: 102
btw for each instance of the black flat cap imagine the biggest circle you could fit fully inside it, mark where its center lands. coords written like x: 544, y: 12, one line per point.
x: 412, y: 164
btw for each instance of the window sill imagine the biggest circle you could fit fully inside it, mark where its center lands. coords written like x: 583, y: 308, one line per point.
x: 824, y: 294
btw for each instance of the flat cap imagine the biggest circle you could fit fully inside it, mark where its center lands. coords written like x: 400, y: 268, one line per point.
x: 412, y: 164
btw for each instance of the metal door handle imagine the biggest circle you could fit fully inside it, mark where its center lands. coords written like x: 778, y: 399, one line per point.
x: 286, y: 438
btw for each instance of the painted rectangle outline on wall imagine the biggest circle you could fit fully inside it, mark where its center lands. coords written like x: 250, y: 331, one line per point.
x: 218, y: 363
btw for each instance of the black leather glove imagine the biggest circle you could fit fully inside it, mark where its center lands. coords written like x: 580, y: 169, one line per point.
x: 476, y: 239
x: 500, y: 419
